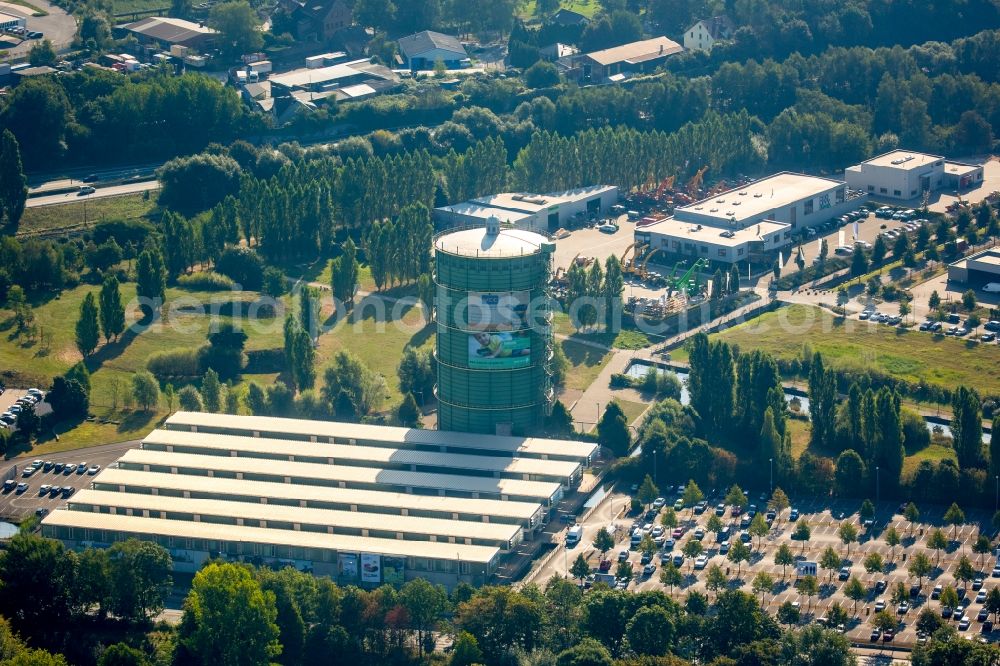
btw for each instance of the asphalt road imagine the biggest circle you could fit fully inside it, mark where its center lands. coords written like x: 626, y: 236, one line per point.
x: 100, y: 193
x: 17, y: 506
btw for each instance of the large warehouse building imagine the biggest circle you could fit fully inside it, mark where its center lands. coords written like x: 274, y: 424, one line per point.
x: 977, y: 269
x: 494, y: 343
x: 362, y: 504
x: 752, y: 222
x: 904, y: 174
x: 542, y: 213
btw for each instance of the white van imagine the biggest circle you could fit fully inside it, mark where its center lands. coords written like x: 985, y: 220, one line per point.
x: 574, y: 535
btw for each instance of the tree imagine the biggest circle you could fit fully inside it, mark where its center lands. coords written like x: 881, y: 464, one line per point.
x: 120, y: 654
x: 809, y: 586
x: 692, y: 549
x: 874, y: 563
x: 41, y: 570
x: 151, y: 281
x: 830, y: 561
x: 736, y: 497
x: 647, y: 546
x: 779, y: 502
x: 892, y: 540
x: 140, y: 576
x: 466, y: 651
x: 28, y: 422
x: 964, y: 571
x: 848, y: 534
x: 788, y: 613
x: 715, y: 579
x: 758, y: 528
x: 189, y: 399
x: 967, y: 427
x: 648, y: 491
x: 211, y: 391
x: 112, y: 308
x: 714, y: 525
x: 955, y: 517
x: 145, y: 390
x: 912, y: 514
x: 920, y: 566
x: 802, y: 532
x: 669, y: 518
x: 859, y: 263
x: 650, y: 631
x: 88, y: 331
x: 763, y: 583
x: 603, y: 541
x: 239, y: 27
x: 224, y: 352
x: 884, y: 621
x: 783, y: 557
x: 580, y: 569
x: 408, y: 414
x: 855, y: 591
x: 949, y: 597
x: 228, y: 619
x: 692, y: 494
x: 934, y: 301
x: 589, y: 652
x: 867, y: 510
x: 969, y: 300
x: 982, y: 546
x: 624, y: 570
x: 738, y: 553
x: 928, y: 621
x: 878, y: 250
x: 937, y: 542
x: 612, y: 430
x: 13, y: 182
x: 344, y: 273
x: 541, y: 75
x: 670, y: 576
x: 42, y: 54
x: 68, y: 398
x: 993, y: 601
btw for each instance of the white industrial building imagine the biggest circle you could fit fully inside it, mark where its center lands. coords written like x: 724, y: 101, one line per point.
x: 8, y: 21
x: 751, y: 222
x: 976, y: 269
x: 905, y: 175
x: 365, y: 505
x: 544, y: 213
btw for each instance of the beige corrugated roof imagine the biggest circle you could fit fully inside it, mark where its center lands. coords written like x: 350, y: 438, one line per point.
x: 334, y: 473
x: 285, y: 447
x: 143, y: 528
x: 438, y: 527
x: 363, y: 433
x: 283, y: 491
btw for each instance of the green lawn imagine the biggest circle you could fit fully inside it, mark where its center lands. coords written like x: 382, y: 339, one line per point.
x: 913, y: 356
x: 933, y: 453
x: 79, y: 215
x: 586, y: 362
x: 624, y: 339
x: 633, y: 410
x: 126, y: 6
x: 586, y: 7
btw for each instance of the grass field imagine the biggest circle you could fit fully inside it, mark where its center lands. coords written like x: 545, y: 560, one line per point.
x: 624, y: 339
x: 633, y: 410
x: 36, y: 11
x: 78, y: 215
x: 913, y: 356
x: 128, y: 6
x: 586, y: 362
x: 586, y: 7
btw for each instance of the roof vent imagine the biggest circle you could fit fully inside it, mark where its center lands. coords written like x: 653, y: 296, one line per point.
x: 743, y: 193
x: 720, y: 201
x: 758, y: 195
x: 735, y: 203
x: 492, y: 225
x: 713, y: 210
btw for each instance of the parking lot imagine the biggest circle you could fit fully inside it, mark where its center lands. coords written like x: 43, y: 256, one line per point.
x: 15, y: 506
x: 824, y: 521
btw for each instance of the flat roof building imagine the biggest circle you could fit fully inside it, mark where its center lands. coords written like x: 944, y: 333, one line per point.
x: 366, y: 505
x: 616, y: 63
x: 371, y: 435
x: 977, y: 269
x: 166, y: 31
x: 543, y: 213
x: 905, y: 175
x: 8, y: 21
x: 749, y: 223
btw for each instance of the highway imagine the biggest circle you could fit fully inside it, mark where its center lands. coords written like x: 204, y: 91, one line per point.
x: 101, y: 192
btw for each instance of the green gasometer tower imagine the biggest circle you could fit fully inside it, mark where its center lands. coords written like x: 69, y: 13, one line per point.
x: 494, y: 338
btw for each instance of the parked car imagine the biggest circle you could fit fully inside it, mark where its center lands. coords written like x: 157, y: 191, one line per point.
x: 720, y: 509
x: 880, y: 605
x: 85, y: 190
x: 67, y: 491
x: 701, y: 562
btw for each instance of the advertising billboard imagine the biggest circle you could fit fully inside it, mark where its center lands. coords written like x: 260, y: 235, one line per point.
x: 371, y: 568
x: 500, y: 350
x: 392, y: 570
x: 504, y: 311
x: 347, y: 565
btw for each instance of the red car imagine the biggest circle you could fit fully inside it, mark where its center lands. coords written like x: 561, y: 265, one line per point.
x: 677, y: 533
x: 605, y: 566
x: 888, y: 635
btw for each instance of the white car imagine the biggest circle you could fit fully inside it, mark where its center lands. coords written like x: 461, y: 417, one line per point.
x: 992, y: 287
x: 843, y: 249
x: 701, y: 562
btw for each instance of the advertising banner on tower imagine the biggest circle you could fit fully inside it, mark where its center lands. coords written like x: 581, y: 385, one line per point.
x: 500, y: 350
x: 503, y: 311
x: 347, y: 566
x: 392, y: 570
x: 371, y: 568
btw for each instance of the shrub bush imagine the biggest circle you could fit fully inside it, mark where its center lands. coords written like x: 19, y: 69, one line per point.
x: 205, y: 281
x: 174, y: 363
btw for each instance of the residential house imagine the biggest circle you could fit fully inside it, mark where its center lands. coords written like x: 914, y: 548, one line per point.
x: 620, y: 62
x: 569, y: 18
x: 423, y: 50
x: 705, y: 33
x: 318, y: 19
